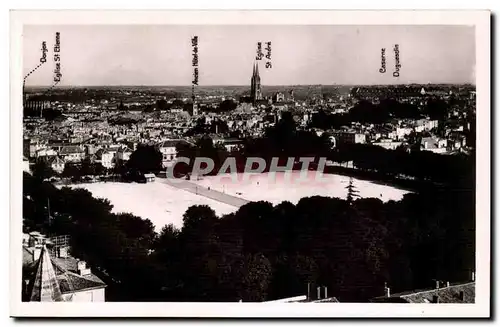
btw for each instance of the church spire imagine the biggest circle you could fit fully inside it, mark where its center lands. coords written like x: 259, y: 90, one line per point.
x: 45, y: 285
x: 255, y: 88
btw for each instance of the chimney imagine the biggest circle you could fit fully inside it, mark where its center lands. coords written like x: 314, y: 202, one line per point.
x: 461, y: 295
x: 435, y: 299
x: 387, y: 291
x: 62, y: 252
x: 318, y: 289
x: 447, y: 284
x: 82, y: 268
x: 326, y: 292
x: 473, y: 276
x: 308, y: 291
x: 437, y: 283
x: 81, y: 265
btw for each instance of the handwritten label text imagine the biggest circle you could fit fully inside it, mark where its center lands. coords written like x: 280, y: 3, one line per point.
x: 57, y: 58
x: 194, y: 44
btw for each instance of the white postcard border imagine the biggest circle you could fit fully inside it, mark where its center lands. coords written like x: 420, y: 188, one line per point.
x: 479, y: 19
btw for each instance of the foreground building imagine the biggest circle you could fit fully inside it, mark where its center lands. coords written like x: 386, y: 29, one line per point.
x: 449, y: 293
x: 318, y: 296
x: 58, y: 277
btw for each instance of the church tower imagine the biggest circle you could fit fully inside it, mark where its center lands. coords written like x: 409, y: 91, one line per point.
x: 255, y: 89
x: 195, y: 111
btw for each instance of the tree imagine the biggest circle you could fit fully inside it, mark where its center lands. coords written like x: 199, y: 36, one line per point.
x: 72, y: 170
x: 352, y: 192
x: 198, y: 219
x: 199, y: 251
x: 254, y: 274
x: 119, y: 169
x: 436, y: 109
x: 162, y: 104
x: 227, y: 105
x: 218, y: 126
x: 99, y: 169
x: 42, y: 170
x: 87, y: 167
x: 51, y: 114
x: 137, y: 228
x: 146, y: 159
x: 167, y: 243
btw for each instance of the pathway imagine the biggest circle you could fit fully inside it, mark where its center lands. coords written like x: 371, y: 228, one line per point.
x: 203, y: 191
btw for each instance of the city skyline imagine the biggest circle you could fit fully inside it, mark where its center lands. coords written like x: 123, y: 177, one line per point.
x: 300, y: 55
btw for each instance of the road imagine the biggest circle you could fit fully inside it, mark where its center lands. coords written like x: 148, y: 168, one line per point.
x: 203, y: 191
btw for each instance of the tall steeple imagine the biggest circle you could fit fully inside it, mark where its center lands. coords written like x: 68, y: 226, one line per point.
x: 255, y: 89
x: 45, y: 285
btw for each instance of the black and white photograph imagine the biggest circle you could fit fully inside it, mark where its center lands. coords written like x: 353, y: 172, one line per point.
x: 256, y: 161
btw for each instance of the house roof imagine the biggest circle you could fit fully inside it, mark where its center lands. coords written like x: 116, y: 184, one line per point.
x: 45, y: 284
x: 70, y: 149
x: 70, y: 282
x: 27, y: 257
x: 432, y: 142
x: 125, y: 150
x: 69, y: 279
x: 170, y: 143
x: 327, y: 300
x: 102, y: 152
x: 56, y: 160
x: 57, y: 276
x: 229, y: 141
x: 449, y: 294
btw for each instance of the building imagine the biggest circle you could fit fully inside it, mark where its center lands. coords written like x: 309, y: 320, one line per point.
x: 46, y: 152
x: 34, y: 106
x: 388, y: 144
x: 123, y: 154
x: 106, y: 158
x: 195, y: 110
x: 58, y: 277
x: 401, y: 132
x: 149, y: 177
x: 434, y: 144
x: 255, y: 87
x: 346, y: 137
x: 72, y: 153
x: 278, y: 97
x: 447, y: 293
x: 320, y: 296
x: 57, y: 164
x: 425, y: 125
x: 26, y: 165
x: 168, y: 149
x: 229, y: 143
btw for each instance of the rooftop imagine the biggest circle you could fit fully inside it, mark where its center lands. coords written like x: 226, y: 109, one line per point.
x: 457, y: 293
x: 52, y: 276
x: 170, y: 143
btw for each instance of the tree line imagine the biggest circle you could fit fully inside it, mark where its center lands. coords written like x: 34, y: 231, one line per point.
x: 264, y: 251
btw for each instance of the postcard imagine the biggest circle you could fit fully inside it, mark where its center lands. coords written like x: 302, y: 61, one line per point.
x: 250, y: 164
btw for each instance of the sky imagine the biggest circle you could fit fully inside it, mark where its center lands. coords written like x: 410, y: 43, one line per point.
x: 300, y: 54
